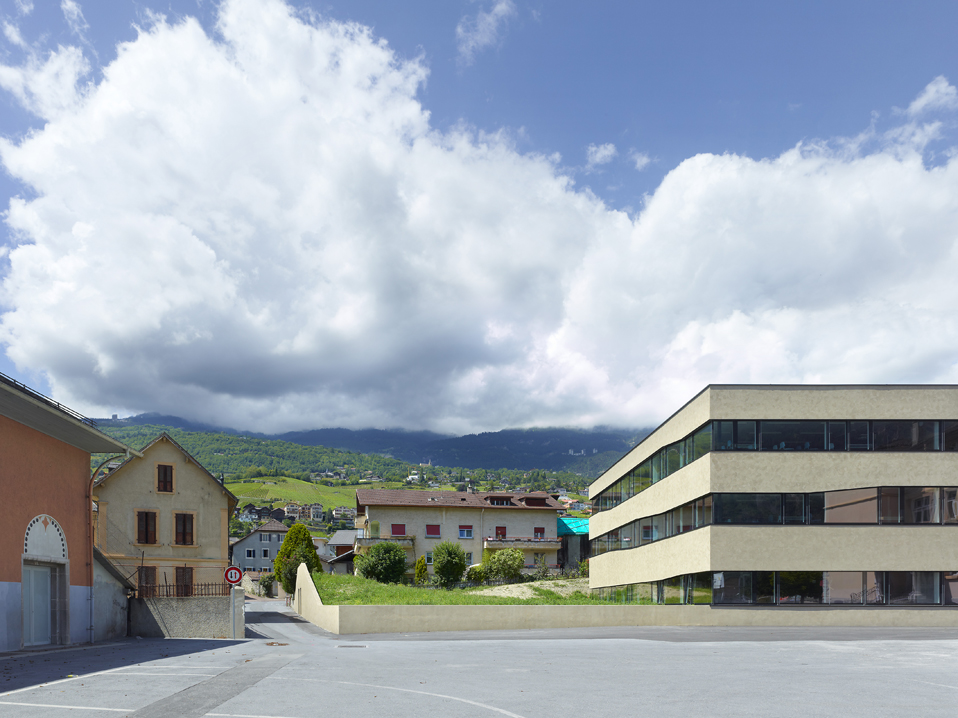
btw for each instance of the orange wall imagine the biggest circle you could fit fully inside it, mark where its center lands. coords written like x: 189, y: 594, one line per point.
x: 41, y: 475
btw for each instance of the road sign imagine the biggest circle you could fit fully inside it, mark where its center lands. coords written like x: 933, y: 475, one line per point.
x: 233, y: 575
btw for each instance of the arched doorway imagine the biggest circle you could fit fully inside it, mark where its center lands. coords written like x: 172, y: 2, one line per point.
x: 44, y: 583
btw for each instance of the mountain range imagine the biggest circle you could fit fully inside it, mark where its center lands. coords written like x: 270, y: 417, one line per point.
x: 584, y: 451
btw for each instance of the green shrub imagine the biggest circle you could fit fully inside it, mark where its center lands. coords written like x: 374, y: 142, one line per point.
x: 506, y: 564
x: 422, y: 573
x: 297, y: 548
x: 266, y: 584
x: 385, y: 562
x: 448, y: 563
x: 476, y: 574
x: 541, y: 571
x: 584, y: 568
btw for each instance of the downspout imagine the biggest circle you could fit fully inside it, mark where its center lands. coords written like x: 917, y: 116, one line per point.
x: 482, y: 540
x: 89, y: 518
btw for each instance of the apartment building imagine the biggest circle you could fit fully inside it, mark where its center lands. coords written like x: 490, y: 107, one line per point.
x: 797, y: 496
x: 419, y: 520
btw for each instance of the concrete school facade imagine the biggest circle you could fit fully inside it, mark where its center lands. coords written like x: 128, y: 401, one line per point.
x: 769, y: 498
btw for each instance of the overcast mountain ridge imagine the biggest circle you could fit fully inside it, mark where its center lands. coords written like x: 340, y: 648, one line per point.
x: 586, y: 451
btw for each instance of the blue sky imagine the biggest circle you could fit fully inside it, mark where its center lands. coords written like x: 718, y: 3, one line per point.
x: 640, y: 129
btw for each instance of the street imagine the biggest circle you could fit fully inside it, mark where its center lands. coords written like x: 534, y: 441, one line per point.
x: 288, y: 668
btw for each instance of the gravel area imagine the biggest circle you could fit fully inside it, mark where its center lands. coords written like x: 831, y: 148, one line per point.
x: 564, y: 587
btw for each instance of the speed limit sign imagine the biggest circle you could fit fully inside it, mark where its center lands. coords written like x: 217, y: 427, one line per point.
x: 233, y: 575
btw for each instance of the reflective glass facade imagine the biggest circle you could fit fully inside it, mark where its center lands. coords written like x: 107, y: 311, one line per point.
x: 888, y: 505
x: 797, y: 435
x: 783, y: 588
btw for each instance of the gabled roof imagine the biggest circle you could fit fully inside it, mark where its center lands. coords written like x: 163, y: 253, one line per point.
x: 33, y: 409
x: 343, y: 537
x: 272, y: 526
x: 231, y: 499
x: 447, y: 499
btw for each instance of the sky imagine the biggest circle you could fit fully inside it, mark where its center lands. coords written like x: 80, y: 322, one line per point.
x: 470, y: 215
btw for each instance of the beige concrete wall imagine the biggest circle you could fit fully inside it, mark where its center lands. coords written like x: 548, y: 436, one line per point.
x: 831, y: 548
x: 784, y: 471
x: 308, y: 604
x: 781, y: 548
x: 351, y: 620
x: 518, y: 522
x: 686, y: 420
x: 834, y: 402
x: 133, y: 488
x: 689, y: 553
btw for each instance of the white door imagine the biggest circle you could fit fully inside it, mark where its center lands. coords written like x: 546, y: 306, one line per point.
x: 36, y: 605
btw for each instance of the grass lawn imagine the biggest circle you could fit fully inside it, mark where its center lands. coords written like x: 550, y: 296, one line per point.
x: 280, y: 488
x: 342, y: 590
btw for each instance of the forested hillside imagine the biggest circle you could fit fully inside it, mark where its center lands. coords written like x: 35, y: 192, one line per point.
x: 579, y: 451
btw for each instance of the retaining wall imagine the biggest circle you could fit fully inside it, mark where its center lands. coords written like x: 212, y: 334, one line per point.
x: 193, y: 617
x: 409, y: 619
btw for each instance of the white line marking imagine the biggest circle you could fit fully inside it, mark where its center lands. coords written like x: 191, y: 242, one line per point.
x: 131, y: 673
x: 940, y: 685
x: 76, y: 708
x: 62, y: 680
x: 404, y: 690
x: 241, y: 715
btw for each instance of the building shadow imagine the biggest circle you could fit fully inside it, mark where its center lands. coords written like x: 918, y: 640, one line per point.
x: 24, y: 669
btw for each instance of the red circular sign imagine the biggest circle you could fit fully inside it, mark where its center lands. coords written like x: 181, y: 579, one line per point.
x: 233, y: 575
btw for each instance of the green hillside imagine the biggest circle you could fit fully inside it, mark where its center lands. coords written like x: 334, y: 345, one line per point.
x: 283, y: 489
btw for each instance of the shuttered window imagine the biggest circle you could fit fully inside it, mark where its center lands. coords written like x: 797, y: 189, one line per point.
x: 432, y: 530
x: 398, y: 529
x: 146, y: 527
x: 184, y: 581
x: 184, y: 529
x: 164, y: 478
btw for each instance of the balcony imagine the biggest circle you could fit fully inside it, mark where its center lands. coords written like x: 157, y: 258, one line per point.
x: 533, y: 542
x: 367, y: 541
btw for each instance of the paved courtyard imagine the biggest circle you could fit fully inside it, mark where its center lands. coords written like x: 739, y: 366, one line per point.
x: 289, y: 668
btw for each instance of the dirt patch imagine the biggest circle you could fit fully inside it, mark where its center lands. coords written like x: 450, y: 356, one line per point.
x: 563, y: 587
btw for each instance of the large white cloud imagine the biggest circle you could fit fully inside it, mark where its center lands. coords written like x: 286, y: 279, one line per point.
x: 262, y: 229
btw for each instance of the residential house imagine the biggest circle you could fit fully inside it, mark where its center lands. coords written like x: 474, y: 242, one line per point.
x: 418, y: 520
x: 164, y: 518
x: 316, y: 512
x: 293, y: 511
x: 340, y: 552
x: 256, y: 550
x: 53, y: 588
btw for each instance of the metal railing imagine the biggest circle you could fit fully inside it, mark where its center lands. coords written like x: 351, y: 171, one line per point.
x: 524, y: 539
x: 10, y: 381
x: 183, y: 590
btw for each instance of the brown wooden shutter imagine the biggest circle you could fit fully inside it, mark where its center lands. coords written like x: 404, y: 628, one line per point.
x: 150, y: 527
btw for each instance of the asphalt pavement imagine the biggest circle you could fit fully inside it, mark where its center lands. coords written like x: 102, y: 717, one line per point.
x: 288, y: 668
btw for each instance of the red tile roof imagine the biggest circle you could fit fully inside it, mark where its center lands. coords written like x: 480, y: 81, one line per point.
x: 400, y: 497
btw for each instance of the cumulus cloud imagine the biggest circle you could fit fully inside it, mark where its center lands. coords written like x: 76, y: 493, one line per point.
x: 599, y: 155
x: 479, y: 31
x: 262, y: 229
x: 939, y: 94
